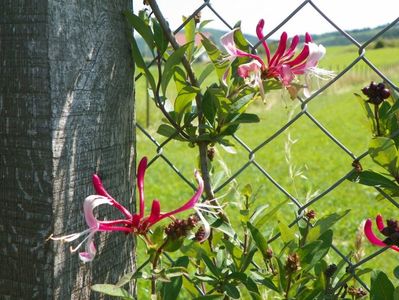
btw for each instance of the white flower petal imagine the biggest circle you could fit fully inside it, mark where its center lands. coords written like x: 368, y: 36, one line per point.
x: 207, y: 227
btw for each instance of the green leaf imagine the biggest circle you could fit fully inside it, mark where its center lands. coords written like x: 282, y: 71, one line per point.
x: 381, y: 287
x: 139, y: 61
x: 174, y: 244
x: 231, y: 291
x: 205, y: 73
x: 247, y: 259
x: 240, y: 105
x: 247, y: 191
x: 282, y: 279
x: 240, y: 40
x: 258, y: 211
x: 369, y: 112
x: 203, y: 24
x: 242, y: 118
x: 324, y: 224
x: 259, y: 239
x: 268, y: 282
x: 157, y: 236
x: 209, y: 297
x: 315, y: 251
x: 221, y: 225
x: 111, y: 290
x: 184, y: 98
x: 173, y: 60
x: 170, y: 290
x: 141, y: 27
x: 287, y: 233
x: 371, y: 178
x: 267, y: 217
x: 189, y: 30
x: 209, y: 106
x: 168, y: 131
x: 396, y: 272
x: 396, y: 293
x: 216, y: 56
x: 211, y: 266
x: 383, y: 151
x: 160, y: 39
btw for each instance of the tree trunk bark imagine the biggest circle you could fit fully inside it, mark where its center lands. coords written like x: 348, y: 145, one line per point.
x: 66, y: 111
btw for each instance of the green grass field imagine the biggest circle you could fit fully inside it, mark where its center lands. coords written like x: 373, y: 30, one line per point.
x: 321, y: 161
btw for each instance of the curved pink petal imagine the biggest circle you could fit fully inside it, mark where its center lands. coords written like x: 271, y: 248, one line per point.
x: 368, y: 231
x: 190, y: 203
x: 291, y: 50
x: 280, y: 50
x: 301, y: 58
x: 316, y: 52
x: 308, y: 38
x: 98, y: 186
x: 380, y: 222
x: 155, y: 214
x: 100, y: 190
x: 91, y: 251
x: 205, y: 224
x: 229, y: 44
x: 140, y: 183
x: 136, y: 221
x: 286, y: 75
x: 259, y: 33
x: 245, y: 70
x: 89, y: 205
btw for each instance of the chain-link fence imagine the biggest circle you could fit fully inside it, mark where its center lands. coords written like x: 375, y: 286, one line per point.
x: 160, y: 144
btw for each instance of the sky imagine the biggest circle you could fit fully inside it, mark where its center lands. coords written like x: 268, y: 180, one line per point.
x: 348, y: 14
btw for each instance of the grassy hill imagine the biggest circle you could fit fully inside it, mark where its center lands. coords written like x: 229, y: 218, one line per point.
x: 388, y: 39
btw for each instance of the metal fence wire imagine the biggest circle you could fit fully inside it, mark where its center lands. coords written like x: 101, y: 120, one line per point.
x: 161, y: 144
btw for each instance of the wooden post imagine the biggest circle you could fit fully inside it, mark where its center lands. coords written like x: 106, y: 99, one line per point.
x: 66, y: 111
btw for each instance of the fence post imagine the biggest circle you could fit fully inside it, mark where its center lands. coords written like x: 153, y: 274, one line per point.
x: 66, y: 111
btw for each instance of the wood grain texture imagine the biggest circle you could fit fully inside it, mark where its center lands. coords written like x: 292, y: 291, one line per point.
x: 66, y: 111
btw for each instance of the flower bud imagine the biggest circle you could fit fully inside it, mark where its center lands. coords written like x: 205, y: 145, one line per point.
x: 357, y: 166
x: 293, y: 263
x: 200, y: 234
x: 180, y: 228
x: 211, y: 153
x: 356, y: 292
x: 330, y: 270
x: 311, y: 214
x: 376, y: 93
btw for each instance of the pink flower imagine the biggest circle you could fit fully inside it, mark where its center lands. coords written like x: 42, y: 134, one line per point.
x: 391, y: 231
x: 94, y: 226
x: 283, y: 65
x: 136, y: 223
x: 141, y: 224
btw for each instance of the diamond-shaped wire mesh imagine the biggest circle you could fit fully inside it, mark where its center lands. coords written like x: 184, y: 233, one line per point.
x: 248, y: 153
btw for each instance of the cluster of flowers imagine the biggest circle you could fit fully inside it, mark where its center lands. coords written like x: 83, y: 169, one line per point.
x: 283, y: 65
x: 132, y: 223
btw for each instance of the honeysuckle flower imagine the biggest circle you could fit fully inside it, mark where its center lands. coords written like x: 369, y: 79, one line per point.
x: 391, y: 231
x: 283, y: 65
x: 94, y: 225
x: 141, y: 224
x: 132, y: 223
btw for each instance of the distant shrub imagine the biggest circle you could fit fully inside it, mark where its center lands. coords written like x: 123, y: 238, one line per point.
x: 379, y: 44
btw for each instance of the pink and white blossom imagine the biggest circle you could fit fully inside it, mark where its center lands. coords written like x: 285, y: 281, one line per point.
x: 284, y: 65
x: 131, y: 223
